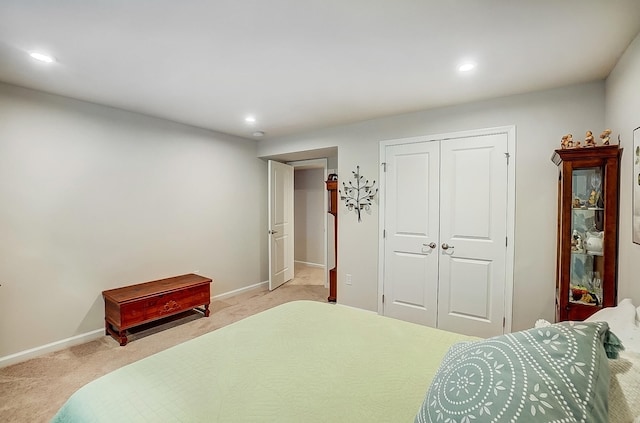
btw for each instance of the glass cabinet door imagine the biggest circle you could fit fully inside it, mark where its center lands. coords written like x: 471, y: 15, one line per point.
x: 587, y: 236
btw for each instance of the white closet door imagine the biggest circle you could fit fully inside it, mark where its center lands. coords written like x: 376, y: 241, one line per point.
x: 473, y: 216
x: 445, y: 217
x: 411, y: 214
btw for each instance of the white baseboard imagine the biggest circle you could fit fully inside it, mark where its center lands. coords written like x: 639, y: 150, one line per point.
x: 306, y: 263
x: 54, y: 346
x: 259, y: 285
x: 96, y: 334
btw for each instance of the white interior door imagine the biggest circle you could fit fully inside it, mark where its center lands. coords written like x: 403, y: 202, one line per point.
x: 411, y: 211
x: 280, y: 224
x: 473, y: 234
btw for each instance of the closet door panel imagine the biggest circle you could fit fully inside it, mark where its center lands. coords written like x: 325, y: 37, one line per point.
x: 469, y: 293
x: 473, y: 206
x: 411, y: 213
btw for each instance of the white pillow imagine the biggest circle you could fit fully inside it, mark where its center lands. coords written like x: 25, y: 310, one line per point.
x: 622, y: 322
x: 624, y: 389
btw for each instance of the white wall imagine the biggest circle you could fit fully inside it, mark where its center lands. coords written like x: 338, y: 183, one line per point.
x: 623, y: 116
x: 310, y: 210
x: 94, y: 197
x: 541, y: 119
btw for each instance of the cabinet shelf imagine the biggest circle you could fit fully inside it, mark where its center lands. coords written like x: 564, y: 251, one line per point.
x: 583, y: 303
x: 588, y: 253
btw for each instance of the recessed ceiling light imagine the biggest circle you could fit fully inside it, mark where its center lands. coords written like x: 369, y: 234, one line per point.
x: 250, y: 119
x: 466, y: 67
x: 41, y: 57
x: 258, y: 134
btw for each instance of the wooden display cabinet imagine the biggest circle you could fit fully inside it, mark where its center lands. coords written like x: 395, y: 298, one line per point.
x: 332, y: 188
x: 587, y: 243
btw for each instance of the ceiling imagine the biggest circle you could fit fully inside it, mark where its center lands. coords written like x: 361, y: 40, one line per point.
x: 299, y: 65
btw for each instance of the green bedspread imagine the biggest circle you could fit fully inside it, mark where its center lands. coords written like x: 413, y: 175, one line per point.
x: 299, y: 362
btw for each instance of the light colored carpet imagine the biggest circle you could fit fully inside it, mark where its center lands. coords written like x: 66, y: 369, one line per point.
x: 307, y: 275
x: 33, y: 391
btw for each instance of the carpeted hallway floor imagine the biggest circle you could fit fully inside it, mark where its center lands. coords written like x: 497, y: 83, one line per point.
x: 33, y: 391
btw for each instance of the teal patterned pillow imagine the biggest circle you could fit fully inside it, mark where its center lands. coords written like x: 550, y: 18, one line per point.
x: 557, y: 373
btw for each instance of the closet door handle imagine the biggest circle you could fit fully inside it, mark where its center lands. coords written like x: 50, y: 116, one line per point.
x: 273, y: 232
x: 446, y: 246
x: 431, y: 245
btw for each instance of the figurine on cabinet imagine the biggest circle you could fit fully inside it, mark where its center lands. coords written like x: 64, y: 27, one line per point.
x: 576, y: 203
x: 605, y: 136
x: 589, y: 141
x: 567, y: 141
x: 594, y: 198
x: 576, y: 242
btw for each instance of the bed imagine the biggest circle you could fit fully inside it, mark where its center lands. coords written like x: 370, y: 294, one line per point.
x: 313, y: 362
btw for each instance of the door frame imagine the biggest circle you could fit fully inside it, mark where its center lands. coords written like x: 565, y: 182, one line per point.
x: 510, y: 131
x: 315, y: 164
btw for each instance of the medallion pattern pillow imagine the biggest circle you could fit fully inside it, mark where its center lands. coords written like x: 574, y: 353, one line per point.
x: 557, y: 373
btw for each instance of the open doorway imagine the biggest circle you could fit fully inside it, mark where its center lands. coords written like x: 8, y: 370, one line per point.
x: 310, y: 222
x: 307, y: 269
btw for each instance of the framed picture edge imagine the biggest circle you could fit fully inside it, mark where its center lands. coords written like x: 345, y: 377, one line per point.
x: 635, y: 192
